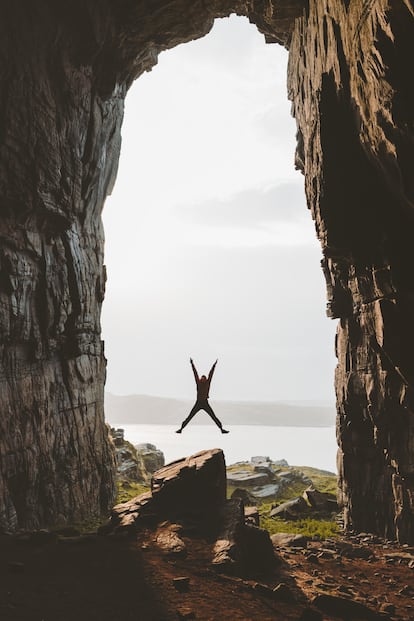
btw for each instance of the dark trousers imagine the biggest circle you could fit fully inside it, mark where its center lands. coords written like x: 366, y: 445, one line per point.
x: 202, y: 405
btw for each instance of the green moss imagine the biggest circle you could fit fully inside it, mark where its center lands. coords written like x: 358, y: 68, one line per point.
x: 128, y: 490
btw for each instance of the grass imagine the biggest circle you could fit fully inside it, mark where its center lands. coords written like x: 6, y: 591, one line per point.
x: 311, y: 527
x: 128, y: 490
x: 322, y: 481
x: 316, y: 525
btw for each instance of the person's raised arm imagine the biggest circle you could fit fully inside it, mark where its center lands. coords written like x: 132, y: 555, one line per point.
x: 210, y: 375
x: 197, y: 379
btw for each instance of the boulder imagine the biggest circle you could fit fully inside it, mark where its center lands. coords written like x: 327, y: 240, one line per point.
x: 151, y: 458
x: 244, y: 495
x: 246, y: 478
x: 126, y: 516
x: 241, y: 548
x: 293, y: 475
x: 117, y: 436
x: 260, y: 460
x: 290, y: 509
x: 266, y: 491
x: 226, y: 552
x: 258, y: 554
x: 169, y: 542
x: 321, y: 501
x: 191, y: 486
x: 261, y: 482
x: 264, y: 469
x: 251, y: 516
x: 129, y: 466
x: 344, y: 608
x: 289, y: 540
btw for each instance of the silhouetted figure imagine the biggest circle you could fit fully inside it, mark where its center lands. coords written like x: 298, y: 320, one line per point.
x: 203, y: 389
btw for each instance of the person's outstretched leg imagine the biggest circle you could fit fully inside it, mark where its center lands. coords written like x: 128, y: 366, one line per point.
x: 207, y: 407
x: 196, y: 407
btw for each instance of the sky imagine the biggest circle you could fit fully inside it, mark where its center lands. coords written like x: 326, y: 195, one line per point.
x: 211, y: 251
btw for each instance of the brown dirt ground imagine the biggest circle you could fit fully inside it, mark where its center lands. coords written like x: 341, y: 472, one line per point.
x: 108, y: 579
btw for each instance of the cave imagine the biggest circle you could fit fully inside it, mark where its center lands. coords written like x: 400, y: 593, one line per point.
x: 66, y: 68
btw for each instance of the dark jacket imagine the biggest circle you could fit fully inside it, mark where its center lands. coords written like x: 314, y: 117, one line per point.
x: 203, y: 385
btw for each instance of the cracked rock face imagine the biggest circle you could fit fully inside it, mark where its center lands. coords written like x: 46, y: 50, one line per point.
x: 352, y: 98
x: 66, y: 68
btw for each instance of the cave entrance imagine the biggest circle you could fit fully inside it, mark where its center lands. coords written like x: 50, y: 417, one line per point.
x: 219, y: 257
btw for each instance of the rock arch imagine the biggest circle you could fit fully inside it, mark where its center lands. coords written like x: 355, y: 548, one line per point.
x: 66, y: 68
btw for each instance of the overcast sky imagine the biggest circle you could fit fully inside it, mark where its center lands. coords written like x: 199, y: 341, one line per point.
x: 210, y: 249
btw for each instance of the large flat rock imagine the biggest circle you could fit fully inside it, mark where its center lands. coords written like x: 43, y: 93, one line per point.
x: 190, y: 488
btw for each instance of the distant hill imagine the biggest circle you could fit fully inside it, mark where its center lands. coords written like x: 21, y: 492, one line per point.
x: 147, y: 410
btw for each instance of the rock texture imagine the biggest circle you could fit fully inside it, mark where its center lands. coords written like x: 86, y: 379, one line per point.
x: 352, y: 98
x: 192, y: 488
x: 188, y: 497
x: 66, y: 68
x: 135, y: 463
x: 260, y: 480
x: 151, y: 458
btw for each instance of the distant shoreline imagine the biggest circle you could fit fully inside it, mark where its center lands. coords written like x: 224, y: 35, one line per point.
x: 148, y: 410
x: 207, y: 423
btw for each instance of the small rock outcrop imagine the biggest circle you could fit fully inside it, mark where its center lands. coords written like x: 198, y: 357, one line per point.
x: 152, y: 459
x: 262, y: 478
x: 291, y: 510
x: 320, y: 501
x: 189, y: 496
x: 289, y: 540
x: 135, y: 463
x: 128, y: 466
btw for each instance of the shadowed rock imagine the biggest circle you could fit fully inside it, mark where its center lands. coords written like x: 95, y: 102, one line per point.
x: 290, y: 509
x: 346, y: 608
x: 192, y: 491
x: 321, y: 501
x: 190, y: 487
x: 241, y: 547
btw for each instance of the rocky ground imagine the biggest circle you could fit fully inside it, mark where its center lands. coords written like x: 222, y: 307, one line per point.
x: 87, y: 578
x: 185, y: 551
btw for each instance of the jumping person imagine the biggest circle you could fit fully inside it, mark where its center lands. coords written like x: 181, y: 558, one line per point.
x: 203, y: 389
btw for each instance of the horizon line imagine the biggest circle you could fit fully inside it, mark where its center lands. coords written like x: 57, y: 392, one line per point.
x: 269, y: 401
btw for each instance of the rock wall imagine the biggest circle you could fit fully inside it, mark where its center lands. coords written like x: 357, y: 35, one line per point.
x: 66, y: 68
x: 353, y: 100
x: 59, y: 148
x: 65, y: 71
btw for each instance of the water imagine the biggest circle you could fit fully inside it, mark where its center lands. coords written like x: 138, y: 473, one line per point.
x: 300, y: 446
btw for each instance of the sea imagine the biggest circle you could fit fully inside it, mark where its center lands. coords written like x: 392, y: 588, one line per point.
x: 300, y: 446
